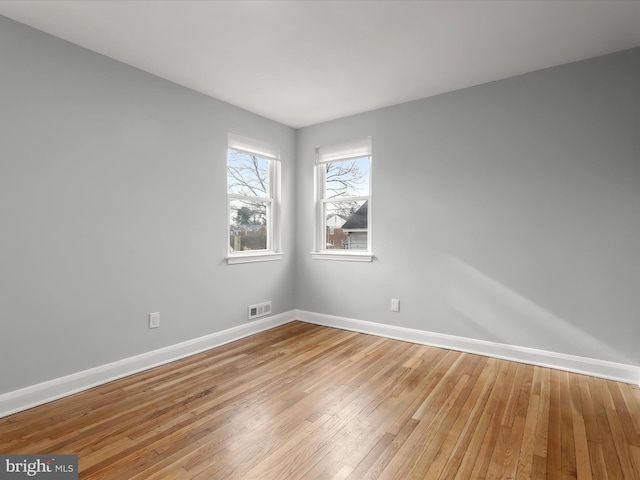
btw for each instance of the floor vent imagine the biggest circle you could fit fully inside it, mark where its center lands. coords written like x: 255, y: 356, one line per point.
x: 259, y: 310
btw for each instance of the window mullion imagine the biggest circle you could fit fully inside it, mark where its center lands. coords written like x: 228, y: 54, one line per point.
x: 345, y: 199
x: 249, y: 198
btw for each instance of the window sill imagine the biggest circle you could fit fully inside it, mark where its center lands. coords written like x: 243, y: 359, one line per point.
x: 254, y: 257
x: 347, y: 257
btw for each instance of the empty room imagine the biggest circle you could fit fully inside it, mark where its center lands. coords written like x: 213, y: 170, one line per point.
x: 333, y: 240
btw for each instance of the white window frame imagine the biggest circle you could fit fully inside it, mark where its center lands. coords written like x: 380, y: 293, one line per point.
x: 358, y: 148
x: 271, y: 153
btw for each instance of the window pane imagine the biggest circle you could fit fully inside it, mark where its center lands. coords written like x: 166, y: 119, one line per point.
x: 346, y: 225
x: 247, y: 174
x: 248, y: 225
x: 348, y: 178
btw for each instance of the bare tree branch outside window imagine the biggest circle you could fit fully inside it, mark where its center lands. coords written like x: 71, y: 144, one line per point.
x: 247, y: 178
x: 349, y: 178
x: 247, y: 174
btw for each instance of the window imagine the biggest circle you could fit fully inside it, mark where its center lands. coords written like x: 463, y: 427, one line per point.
x: 252, y: 176
x: 344, y: 201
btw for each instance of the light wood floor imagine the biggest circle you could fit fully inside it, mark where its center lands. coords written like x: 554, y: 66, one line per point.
x: 308, y: 402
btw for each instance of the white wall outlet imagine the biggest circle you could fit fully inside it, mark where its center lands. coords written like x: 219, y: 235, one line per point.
x: 395, y: 305
x: 154, y: 320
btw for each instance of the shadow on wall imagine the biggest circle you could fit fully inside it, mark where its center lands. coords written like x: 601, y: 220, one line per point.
x: 513, y: 319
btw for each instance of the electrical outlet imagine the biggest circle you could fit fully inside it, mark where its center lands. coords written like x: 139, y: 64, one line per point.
x: 395, y: 305
x: 154, y: 320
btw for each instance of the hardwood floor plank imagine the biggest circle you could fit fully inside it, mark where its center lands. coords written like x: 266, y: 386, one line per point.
x: 303, y: 401
x: 542, y: 425
x: 598, y: 465
x: 476, y: 461
x: 515, y: 383
x: 622, y: 449
x: 567, y: 410
x: 372, y: 457
x: 554, y: 445
x: 583, y: 462
x: 459, y: 436
x: 631, y: 396
x: 505, y: 455
x: 622, y: 412
x: 409, y: 454
x: 635, y: 457
x: 418, y: 386
x: 512, y: 455
x: 437, y: 430
x: 539, y: 468
x: 525, y: 462
x: 601, y: 403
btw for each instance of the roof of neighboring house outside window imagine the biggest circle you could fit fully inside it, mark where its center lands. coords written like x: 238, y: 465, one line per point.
x: 358, y: 219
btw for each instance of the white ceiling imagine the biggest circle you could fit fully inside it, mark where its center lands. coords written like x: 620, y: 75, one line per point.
x: 305, y: 62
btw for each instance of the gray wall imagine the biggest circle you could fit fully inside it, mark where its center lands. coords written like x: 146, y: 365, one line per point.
x: 507, y: 212
x: 113, y: 205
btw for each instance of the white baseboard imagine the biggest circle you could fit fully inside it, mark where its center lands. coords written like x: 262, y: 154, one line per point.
x: 45, y: 392
x: 34, y: 395
x: 560, y: 361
